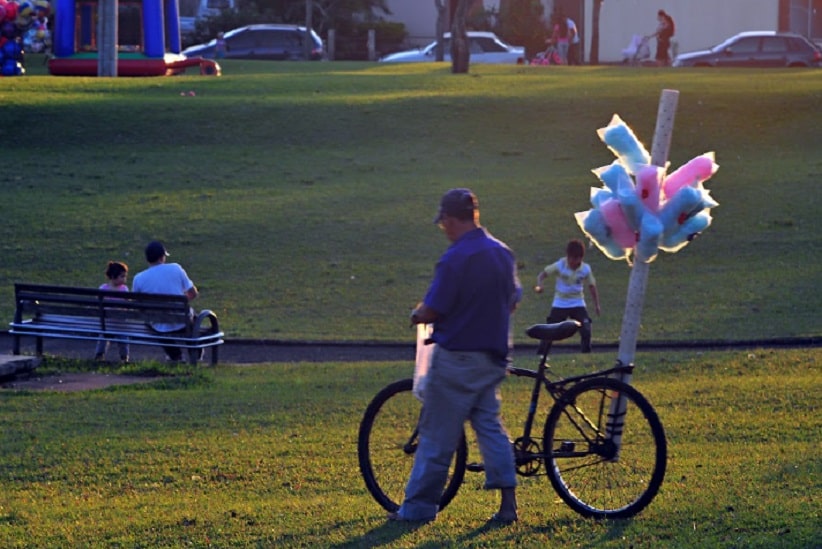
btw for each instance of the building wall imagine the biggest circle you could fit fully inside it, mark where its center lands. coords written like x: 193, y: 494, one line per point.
x: 699, y: 23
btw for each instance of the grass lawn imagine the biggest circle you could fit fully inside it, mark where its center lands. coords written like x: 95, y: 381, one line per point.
x: 265, y: 456
x: 299, y: 196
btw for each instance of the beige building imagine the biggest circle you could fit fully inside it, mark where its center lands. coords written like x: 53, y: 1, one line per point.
x: 699, y: 23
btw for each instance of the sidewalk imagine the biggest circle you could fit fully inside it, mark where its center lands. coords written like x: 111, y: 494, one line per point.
x: 252, y: 351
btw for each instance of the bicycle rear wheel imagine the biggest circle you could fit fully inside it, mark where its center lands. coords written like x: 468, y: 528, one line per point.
x: 387, y: 443
x: 599, y: 469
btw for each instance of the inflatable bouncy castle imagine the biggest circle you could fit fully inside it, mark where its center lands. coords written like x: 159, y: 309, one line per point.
x: 148, y: 39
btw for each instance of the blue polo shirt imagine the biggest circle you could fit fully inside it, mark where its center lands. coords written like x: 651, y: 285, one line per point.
x: 474, y: 290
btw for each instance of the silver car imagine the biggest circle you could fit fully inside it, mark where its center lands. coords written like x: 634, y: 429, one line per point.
x: 485, y: 47
x: 756, y: 49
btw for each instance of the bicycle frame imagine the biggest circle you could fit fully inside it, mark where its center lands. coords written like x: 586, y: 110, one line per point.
x: 556, y: 389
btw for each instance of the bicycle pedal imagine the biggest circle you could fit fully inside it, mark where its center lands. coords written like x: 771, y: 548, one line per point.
x: 475, y: 467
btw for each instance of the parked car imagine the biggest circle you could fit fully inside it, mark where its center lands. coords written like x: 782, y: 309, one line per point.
x: 263, y: 41
x: 756, y: 49
x: 485, y: 47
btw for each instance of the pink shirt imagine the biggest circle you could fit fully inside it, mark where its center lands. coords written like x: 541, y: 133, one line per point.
x: 120, y: 288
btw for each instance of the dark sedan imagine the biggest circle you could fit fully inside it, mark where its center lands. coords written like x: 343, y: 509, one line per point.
x: 756, y: 49
x: 264, y: 41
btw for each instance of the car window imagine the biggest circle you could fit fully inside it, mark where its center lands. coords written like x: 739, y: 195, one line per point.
x: 746, y: 45
x: 798, y: 44
x: 487, y: 45
x: 774, y: 44
x: 475, y: 45
x: 241, y: 41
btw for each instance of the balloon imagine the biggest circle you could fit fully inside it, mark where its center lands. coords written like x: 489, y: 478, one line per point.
x: 11, y: 11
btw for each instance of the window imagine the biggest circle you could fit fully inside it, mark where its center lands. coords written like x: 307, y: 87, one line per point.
x: 774, y: 44
x: 746, y: 45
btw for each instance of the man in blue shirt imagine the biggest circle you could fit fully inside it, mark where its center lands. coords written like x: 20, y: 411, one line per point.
x: 470, y: 301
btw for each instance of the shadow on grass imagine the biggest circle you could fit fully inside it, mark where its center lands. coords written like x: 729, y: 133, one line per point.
x: 383, y: 534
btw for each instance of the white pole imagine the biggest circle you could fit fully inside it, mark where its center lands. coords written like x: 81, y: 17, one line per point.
x: 107, y: 35
x: 639, y: 272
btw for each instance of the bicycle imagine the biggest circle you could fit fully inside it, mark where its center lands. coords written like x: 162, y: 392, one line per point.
x: 603, y: 446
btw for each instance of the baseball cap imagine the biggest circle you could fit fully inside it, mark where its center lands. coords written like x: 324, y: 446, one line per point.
x: 457, y: 203
x: 155, y: 250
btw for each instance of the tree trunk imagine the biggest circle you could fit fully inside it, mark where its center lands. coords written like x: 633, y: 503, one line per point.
x: 442, y: 11
x: 594, y: 58
x: 460, y: 52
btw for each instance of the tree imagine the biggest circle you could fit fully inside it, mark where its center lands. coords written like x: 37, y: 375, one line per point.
x: 594, y: 56
x: 521, y: 22
x: 460, y: 51
x: 442, y: 14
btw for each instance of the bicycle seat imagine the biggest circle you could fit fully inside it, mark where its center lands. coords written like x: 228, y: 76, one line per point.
x: 553, y: 332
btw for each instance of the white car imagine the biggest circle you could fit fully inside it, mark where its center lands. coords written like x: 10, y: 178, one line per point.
x: 485, y: 47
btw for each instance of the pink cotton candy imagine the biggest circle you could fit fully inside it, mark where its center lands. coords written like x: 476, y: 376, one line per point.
x: 692, y: 173
x: 647, y: 187
x: 614, y: 218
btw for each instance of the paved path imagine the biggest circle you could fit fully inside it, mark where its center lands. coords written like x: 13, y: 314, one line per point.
x: 236, y: 351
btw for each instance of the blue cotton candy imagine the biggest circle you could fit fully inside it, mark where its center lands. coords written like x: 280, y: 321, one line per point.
x: 598, y: 196
x: 647, y: 247
x: 693, y: 225
x: 624, y: 144
x: 631, y: 205
x: 593, y: 224
x: 684, y: 203
x: 613, y: 176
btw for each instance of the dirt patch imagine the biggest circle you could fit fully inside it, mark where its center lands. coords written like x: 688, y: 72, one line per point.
x: 65, y: 383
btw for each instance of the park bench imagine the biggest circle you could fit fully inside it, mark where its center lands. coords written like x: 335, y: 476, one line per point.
x: 64, y: 312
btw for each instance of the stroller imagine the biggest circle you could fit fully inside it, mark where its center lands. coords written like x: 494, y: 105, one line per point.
x: 637, y: 51
x: 548, y: 57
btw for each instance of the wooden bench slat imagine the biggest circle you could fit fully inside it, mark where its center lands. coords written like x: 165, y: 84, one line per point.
x: 91, y: 314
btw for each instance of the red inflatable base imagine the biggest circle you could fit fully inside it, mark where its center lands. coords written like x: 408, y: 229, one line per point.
x: 133, y: 67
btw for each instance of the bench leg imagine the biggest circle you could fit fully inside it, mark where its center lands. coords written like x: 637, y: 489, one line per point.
x: 39, y: 346
x: 15, y: 348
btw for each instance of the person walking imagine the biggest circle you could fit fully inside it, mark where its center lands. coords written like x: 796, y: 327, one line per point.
x: 569, y: 300
x: 164, y: 278
x: 573, y: 42
x: 470, y: 300
x: 664, y: 32
x: 560, y: 36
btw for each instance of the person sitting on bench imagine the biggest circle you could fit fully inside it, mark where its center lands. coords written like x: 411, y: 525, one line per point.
x: 164, y: 278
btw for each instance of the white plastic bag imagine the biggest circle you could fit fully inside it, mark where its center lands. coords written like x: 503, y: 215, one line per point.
x: 423, y: 362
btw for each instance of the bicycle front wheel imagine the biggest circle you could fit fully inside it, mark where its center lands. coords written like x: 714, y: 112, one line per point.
x: 387, y: 443
x: 607, y: 449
